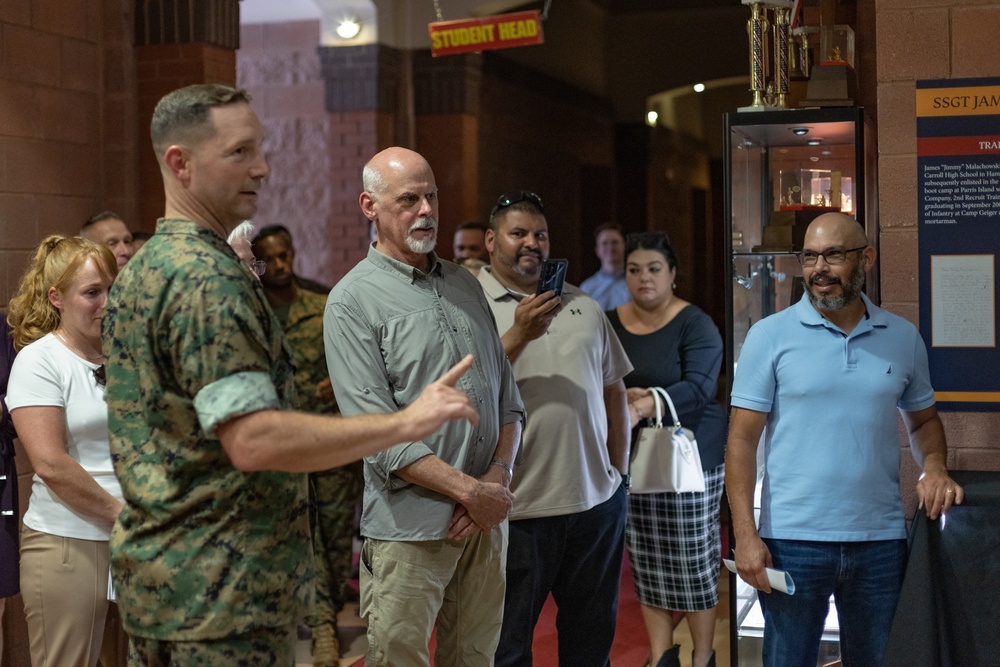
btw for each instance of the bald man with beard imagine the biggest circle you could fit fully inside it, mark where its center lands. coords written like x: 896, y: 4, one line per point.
x: 826, y: 377
x: 435, y: 510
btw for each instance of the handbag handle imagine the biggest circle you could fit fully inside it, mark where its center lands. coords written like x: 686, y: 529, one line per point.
x: 662, y: 393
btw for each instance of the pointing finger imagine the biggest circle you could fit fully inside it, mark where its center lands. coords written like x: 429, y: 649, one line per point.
x: 452, y: 375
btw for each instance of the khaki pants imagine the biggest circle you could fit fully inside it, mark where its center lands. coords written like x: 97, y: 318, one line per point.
x: 407, y: 586
x: 64, y: 585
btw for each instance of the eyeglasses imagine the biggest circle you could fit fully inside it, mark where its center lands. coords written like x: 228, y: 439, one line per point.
x: 516, y: 196
x: 833, y: 257
x: 256, y: 267
x: 101, y: 376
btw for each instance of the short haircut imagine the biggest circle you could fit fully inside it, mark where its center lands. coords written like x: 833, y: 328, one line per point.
x: 183, y: 116
x: 141, y: 235
x: 608, y: 227
x: 515, y: 200
x: 100, y: 217
x: 474, y: 224
x: 273, y: 230
x: 244, y: 230
x: 372, y: 181
x: 656, y: 241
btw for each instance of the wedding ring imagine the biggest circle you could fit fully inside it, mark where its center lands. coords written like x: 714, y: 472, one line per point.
x: 950, y: 491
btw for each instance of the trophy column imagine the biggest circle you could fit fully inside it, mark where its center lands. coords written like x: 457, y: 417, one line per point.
x: 768, y: 76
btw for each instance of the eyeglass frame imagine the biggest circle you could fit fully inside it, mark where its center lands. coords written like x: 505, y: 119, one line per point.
x: 515, y: 197
x: 803, y: 259
x: 257, y: 267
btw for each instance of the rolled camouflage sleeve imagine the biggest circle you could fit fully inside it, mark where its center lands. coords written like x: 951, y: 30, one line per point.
x: 234, y: 396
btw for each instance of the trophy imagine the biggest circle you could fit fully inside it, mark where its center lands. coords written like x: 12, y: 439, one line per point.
x: 769, y: 92
x: 832, y: 81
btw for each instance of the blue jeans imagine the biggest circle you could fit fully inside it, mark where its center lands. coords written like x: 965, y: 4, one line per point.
x: 578, y: 558
x: 865, y: 579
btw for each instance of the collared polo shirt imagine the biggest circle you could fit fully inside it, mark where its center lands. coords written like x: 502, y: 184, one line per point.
x: 562, y: 374
x: 831, y: 445
x: 390, y: 330
x: 608, y: 290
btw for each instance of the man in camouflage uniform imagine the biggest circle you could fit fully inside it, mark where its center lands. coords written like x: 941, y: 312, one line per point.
x: 333, y: 494
x: 300, y: 281
x: 211, y: 554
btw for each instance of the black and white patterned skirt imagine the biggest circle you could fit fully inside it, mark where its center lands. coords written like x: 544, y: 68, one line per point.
x: 673, y: 543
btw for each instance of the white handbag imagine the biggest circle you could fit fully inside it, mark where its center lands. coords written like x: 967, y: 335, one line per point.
x: 666, y: 459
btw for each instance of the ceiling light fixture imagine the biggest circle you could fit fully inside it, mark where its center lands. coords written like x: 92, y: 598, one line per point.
x: 348, y: 28
x: 651, y: 118
x: 814, y: 142
x: 699, y: 87
x: 799, y: 131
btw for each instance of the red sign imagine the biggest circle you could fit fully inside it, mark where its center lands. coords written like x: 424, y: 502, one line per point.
x: 484, y: 34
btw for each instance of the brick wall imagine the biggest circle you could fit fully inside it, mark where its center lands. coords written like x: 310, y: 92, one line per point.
x: 67, y: 149
x: 316, y: 157
x: 539, y: 135
x: 162, y: 68
x: 67, y: 130
x: 925, y: 39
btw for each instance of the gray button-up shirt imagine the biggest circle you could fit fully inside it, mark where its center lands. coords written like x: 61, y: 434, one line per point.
x: 390, y: 330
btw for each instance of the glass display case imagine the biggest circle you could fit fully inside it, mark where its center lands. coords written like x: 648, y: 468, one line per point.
x: 782, y: 170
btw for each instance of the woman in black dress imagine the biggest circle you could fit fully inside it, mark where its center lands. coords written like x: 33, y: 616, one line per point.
x: 673, y: 538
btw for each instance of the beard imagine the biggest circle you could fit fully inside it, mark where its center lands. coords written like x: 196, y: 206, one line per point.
x: 514, y: 264
x: 849, y: 291
x: 426, y: 245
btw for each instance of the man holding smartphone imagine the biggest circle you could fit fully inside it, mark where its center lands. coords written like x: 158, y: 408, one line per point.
x: 567, y: 526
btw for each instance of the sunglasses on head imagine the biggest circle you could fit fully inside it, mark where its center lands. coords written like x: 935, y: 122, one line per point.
x: 516, y: 196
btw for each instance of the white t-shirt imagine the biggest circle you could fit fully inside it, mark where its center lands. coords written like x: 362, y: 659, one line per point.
x: 46, y: 373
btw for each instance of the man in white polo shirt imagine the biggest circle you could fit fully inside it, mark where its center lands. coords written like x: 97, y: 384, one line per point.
x: 567, y: 526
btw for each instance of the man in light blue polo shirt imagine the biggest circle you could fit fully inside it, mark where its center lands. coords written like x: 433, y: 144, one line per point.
x: 825, y: 377
x: 607, y: 287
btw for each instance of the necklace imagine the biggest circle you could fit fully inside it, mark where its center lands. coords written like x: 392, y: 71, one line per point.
x: 92, y: 358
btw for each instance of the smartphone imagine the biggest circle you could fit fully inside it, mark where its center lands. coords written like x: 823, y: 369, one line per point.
x: 553, y: 276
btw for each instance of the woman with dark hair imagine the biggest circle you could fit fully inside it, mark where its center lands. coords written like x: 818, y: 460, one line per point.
x: 56, y: 399
x: 673, y: 538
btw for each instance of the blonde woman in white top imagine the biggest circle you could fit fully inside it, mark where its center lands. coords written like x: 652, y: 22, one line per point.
x: 56, y: 398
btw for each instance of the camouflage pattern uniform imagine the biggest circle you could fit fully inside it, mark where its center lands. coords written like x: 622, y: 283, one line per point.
x: 333, y: 494
x: 262, y: 647
x: 201, y: 551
